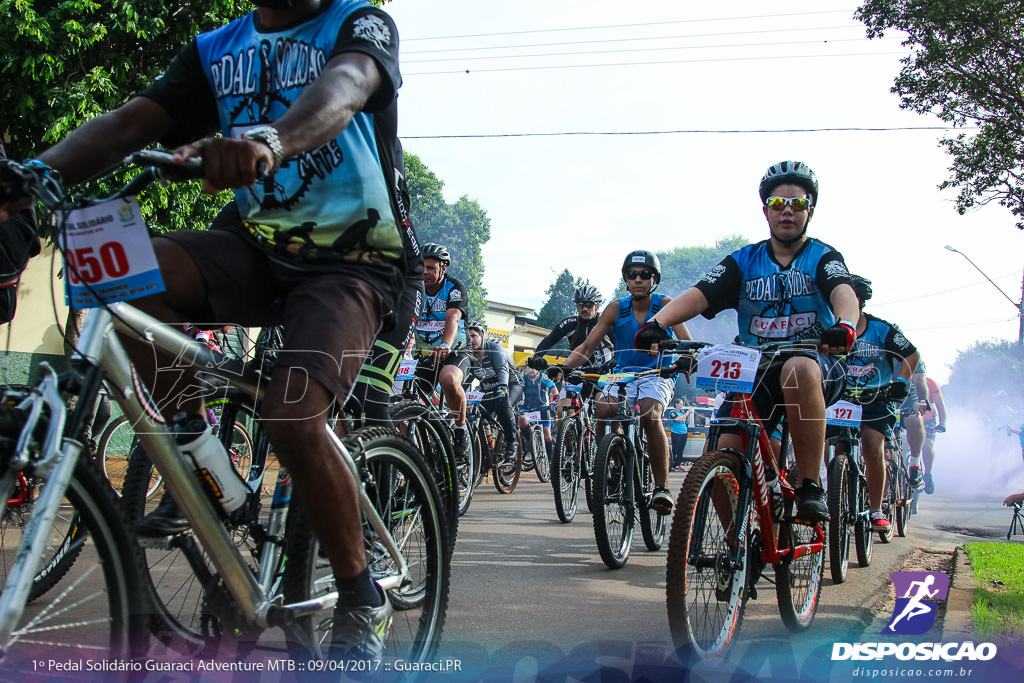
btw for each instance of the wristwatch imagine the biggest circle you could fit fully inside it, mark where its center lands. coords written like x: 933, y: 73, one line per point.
x: 268, y: 136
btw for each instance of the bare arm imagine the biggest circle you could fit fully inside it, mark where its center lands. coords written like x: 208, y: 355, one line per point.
x: 844, y: 303
x: 680, y: 328
x: 319, y: 115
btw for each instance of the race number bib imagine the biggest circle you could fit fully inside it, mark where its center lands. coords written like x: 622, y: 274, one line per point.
x: 533, y: 416
x: 615, y: 377
x: 108, y: 256
x: 844, y: 414
x: 407, y: 369
x: 727, y: 367
x: 474, y: 396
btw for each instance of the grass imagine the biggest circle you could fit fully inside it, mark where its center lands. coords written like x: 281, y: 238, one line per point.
x: 998, y: 608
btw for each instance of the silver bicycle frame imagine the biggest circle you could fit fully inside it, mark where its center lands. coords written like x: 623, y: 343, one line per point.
x: 100, y: 346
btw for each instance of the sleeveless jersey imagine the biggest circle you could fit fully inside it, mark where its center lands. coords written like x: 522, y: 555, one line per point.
x: 626, y: 326
x: 535, y: 392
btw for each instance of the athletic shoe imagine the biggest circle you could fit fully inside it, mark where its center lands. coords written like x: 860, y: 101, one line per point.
x: 662, y: 501
x: 360, y: 632
x: 811, y: 507
x: 929, y: 485
x: 879, y: 522
x: 511, y: 448
x: 166, y: 520
x: 915, y: 476
x: 462, y: 445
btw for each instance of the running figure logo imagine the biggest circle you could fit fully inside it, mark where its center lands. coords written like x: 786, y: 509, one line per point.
x: 915, y: 611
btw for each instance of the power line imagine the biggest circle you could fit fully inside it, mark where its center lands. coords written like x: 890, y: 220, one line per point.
x: 944, y: 291
x: 646, y: 39
x: 636, y: 49
x: 650, y: 23
x: 946, y: 327
x: 673, y: 61
x: 679, y: 132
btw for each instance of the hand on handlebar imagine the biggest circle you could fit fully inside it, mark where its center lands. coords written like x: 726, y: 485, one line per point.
x: 440, y: 352
x: 838, y: 339
x: 686, y: 365
x: 649, y: 336
x: 230, y: 163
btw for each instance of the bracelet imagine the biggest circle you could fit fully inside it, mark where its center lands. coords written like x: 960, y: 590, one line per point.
x: 445, y: 345
x: 905, y: 381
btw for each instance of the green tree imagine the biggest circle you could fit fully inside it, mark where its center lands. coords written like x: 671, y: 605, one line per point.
x: 966, y: 65
x: 463, y: 227
x: 560, y: 304
x: 983, y: 369
x: 681, y: 268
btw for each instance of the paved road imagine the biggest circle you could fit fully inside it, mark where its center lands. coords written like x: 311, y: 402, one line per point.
x: 531, y: 592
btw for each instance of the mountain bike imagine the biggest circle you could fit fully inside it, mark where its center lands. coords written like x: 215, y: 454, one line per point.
x: 724, y: 529
x: 623, y: 478
x: 898, y: 496
x: 575, y: 450
x: 491, y: 439
x: 106, y: 609
x: 535, y: 452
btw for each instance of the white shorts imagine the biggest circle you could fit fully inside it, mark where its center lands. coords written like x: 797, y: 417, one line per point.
x: 659, y: 389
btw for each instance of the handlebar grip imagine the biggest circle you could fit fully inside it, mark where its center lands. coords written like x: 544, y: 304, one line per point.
x: 166, y: 168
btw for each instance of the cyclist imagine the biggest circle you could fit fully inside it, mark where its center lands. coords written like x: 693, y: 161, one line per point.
x: 913, y: 406
x: 441, y: 334
x: 934, y: 423
x: 788, y: 287
x: 575, y: 329
x: 315, y: 245
x: 879, y: 347
x: 536, y: 399
x: 641, y: 271
x: 500, y: 383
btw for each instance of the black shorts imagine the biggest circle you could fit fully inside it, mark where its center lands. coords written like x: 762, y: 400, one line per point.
x: 330, y: 319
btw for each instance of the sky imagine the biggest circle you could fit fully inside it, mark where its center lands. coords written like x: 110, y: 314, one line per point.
x: 692, y: 103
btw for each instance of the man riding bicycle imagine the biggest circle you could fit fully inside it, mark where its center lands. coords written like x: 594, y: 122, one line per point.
x: 314, y: 244
x: 788, y: 287
x: 536, y: 399
x: 879, y: 347
x: 641, y: 271
x: 934, y: 423
x: 441, y: 335
x: 499, y: 382
x: 575, y: 330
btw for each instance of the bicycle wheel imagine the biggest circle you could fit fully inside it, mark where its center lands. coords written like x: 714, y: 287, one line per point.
x: 839, y: 512
x: 541, y: 462
x: 798, y: 581
x: 587, y: 471
x: 652, y: 525
x: 613, y: 501
x: 97, y: 610
x: 565, y: 471
x: 506, y: 474
x: 399, y: 485
x: 478, y: 441
x: 862, y: 534
x: 889, y: 501
x: 705, y: 596
x: 904, y: 500
x: 189, y: 617
x: 452, y: 475
x: 115, y: 445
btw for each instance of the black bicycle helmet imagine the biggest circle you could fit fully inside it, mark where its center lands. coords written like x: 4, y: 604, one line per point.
x: 862, y: 286
x: 438, y: 252
x: 586, y: 294
x: 641, y: 257
x: 789, y: 172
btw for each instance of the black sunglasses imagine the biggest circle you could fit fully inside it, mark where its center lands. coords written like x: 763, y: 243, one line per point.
x: 642, y: 274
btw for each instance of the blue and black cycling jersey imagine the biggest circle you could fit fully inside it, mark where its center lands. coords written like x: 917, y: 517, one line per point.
x: 775, y: 302
x: 494, y: 370
x: 576, y: 330
x: 877, y: 354
x: 535, y: 392
x: 431, y: 321
x: 626, y: 325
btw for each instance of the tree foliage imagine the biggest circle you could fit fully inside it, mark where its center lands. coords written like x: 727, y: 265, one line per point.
x: 681, y: 268
x: 982, y: 370
x: 560, y: 304
x: 66, y: 62
x: 463, y: 227
x: 966, y: 65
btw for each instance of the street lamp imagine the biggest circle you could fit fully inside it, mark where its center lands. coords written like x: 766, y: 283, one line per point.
x: 1019, y: 305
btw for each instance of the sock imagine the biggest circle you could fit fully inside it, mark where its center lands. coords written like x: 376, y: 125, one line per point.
x: 462, y: 427
x: 915, y: 460
x: 874, y: 514
x: 358, y: 591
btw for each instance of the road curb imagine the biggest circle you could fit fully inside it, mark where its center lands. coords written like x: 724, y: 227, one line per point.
x: 957, y: 624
